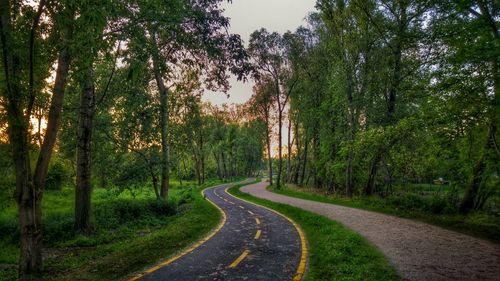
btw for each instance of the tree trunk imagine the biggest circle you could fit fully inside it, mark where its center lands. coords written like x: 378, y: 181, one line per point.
x: 29, y: 186
x: 224, y: 164
x: 397, y: 54
x: 164, y: 130
x: 289, y: 151
x: 198, y: 168
x: 154, y: 178
x: 83, y: 189
x: 280, y: 149
x: 306, y: 145
x: 269, y: 158
x: 298, y: 146
x: 219, y: 173
x: 202, y: 159
x: 370, y: 184
x: 472, y: 191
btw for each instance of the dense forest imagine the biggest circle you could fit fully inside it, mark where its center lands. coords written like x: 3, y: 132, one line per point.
x: 372, y: 98
x: 108, y: 94
x: 386, y: 97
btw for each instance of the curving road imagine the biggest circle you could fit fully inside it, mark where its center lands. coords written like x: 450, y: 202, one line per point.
x: 253, y: 243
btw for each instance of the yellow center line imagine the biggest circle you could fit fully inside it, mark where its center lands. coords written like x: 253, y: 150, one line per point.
x: 184, y: 252
x: 257, y: 235
x: 239, y: 259
x: 304, y: 253
x: 250, y: 212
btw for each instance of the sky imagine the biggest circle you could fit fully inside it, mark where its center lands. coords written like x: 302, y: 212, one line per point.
x: 249, y: 15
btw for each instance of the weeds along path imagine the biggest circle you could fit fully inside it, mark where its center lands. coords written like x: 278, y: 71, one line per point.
x: 417, y: 250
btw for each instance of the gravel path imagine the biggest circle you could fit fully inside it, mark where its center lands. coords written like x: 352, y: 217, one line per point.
x: 417, y: 250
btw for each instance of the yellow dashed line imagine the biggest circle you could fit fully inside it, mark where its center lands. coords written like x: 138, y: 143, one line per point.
x: 239, y: 259
x: 257, y: 220
x: 188, y: 250
x: 257, y: 235
x: 303, y: 258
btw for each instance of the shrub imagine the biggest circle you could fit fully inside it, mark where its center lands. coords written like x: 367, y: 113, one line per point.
x: 56, y: 175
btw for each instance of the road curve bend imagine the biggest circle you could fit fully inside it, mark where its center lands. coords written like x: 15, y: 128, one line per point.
x: 251, y: 243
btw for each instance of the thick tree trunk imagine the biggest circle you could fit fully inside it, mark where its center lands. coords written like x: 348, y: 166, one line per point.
x: 83, y: 189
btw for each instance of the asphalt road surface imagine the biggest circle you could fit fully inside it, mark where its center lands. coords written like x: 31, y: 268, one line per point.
x: 254, y: 243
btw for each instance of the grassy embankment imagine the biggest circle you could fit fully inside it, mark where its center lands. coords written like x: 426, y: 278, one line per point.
x: 336, y: 253
x: 131, y: 231
x: 434, y: 210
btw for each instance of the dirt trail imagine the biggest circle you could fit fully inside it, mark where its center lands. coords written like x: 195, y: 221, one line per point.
x: 417, y: 250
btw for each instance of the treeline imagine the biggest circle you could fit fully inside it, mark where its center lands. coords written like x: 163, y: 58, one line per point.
x: 382, y: 95
x: 119, y: 83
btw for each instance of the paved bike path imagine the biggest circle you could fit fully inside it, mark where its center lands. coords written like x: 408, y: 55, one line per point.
x: 252, y: 244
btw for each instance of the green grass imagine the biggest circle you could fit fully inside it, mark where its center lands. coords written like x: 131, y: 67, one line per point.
x: 478, y: 224
x: 131, y: 232
x: 336, y: 253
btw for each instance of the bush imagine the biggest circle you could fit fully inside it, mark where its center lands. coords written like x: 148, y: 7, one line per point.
x: 115, y: 213
x: 185, y: 196
x: 56, y: 175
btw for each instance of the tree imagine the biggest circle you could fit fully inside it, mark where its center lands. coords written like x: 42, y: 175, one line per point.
x: 19, y: 106
x: 197, y: 44
x: 269, y: 55
x: 95, y: 20
x: 261, y: 104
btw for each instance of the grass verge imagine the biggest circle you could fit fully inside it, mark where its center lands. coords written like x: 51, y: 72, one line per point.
x: 335, y: 252
x: 137, y: 246
x: 477, y: 224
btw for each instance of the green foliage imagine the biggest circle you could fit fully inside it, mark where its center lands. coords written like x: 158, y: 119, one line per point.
x: 375, y: 107
x: 57, y: 175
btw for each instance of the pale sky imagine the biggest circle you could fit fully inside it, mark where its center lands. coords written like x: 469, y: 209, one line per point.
x: 249, y: 15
